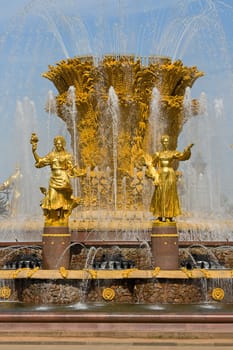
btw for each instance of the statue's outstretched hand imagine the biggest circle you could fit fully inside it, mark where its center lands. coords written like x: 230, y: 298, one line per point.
x: 191, y: 145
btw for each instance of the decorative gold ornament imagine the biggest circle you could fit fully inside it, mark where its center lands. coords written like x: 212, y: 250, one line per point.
x: 205, y: 273
x: 30, y: 273
x: 156, y: 271
x: 5, y: 292
x: 187, y: 272
x: 217, y: 294
x: 63, y: 272
x: 16, y: 272
x: 127, y: 272
x: 108, y: 294
x: 92, y: 273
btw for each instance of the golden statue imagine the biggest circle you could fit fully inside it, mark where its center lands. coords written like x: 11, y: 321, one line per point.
x: 12, y: 185
x: 58, y: 202
x: 165, y: 202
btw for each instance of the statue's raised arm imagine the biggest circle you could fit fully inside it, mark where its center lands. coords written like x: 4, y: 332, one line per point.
x: 185, y: 155
x: 34, y: 141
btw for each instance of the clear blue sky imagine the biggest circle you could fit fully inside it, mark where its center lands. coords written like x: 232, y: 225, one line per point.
x: 36, y: 33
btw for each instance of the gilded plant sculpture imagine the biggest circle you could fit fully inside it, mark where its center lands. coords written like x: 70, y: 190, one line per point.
x: 110, y: 143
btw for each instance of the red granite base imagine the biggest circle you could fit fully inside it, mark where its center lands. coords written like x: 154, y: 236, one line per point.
x: 117, y: 325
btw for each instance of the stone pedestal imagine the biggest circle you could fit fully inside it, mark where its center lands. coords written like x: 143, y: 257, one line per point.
x: 55, y: 249
x: 164, y: 245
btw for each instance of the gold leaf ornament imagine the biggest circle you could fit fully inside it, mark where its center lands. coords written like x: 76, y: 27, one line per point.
x: 5, y: 292
x: 217, y: 294
x: 108, y: 294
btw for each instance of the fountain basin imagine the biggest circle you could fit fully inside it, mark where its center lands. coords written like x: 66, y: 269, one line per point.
x: 130, y: 286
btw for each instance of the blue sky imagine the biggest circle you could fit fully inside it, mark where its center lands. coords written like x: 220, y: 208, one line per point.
x: 36, y: 33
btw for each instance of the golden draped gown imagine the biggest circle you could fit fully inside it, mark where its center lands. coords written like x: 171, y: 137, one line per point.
x: 59, y: 194
x: 165, y: 201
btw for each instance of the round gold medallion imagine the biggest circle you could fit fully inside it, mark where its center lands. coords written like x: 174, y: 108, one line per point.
x: 108, y: 294
x: 5, y: 292
x: 217, y: 294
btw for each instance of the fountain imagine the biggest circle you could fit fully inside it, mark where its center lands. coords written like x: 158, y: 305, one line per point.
x: 102, y: 244
x: 97, y: 250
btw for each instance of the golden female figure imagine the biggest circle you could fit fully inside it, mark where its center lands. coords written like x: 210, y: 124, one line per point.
x: 58, y: 201
x: 165, y: 202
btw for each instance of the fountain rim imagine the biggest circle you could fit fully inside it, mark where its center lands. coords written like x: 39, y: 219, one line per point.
x: 125, y: 274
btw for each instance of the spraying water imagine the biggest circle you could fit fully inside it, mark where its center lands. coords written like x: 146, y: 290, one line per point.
x: 25, y: 124
x: 114, y: 112
x: 156, y: 125
x: 187, y: 103
x: 50, y: 106
x: 71, y: 100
